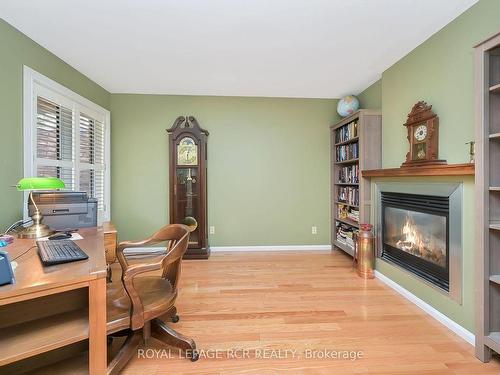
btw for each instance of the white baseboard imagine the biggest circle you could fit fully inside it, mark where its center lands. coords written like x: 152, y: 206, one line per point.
x: 217, y: 249
x: 440, y: 317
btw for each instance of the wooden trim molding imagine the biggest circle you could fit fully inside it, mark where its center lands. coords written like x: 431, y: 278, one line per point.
x: 465, y: 169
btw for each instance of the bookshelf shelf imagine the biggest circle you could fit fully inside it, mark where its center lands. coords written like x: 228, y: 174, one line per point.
x: 495, y: 226
x: 494, y: 136
x: 346, y: 204
x: 355, y: 145
x: 495, y: 88
x: 349, y: 161
x: 352, y: 140
x: 493, y: 341
x: 344, y: 247
x: 348, y: 222
x: 495, y: 279
x: 487, y: 210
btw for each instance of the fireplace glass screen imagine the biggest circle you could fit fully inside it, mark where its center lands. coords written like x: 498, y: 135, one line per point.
x: 417, y: 233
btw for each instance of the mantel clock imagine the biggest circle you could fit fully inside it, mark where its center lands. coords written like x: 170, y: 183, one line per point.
x: 188, y: 182
x: 423, y: 134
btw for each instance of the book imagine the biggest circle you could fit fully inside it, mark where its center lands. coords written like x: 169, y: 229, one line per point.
x: 345, y: 234
x: 348, y: 195
x: 347, y: 132
x: 349, y: 174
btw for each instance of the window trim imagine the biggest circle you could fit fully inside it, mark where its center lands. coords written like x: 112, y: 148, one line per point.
x: 33, y: 84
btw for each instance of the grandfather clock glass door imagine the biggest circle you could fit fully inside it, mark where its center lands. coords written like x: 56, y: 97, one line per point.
x: 187, y: 183
x: 188, y: 203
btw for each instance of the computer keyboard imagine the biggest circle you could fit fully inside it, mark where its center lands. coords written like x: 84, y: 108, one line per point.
x: 59, y: 251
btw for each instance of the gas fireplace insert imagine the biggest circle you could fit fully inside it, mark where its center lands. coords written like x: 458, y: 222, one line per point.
x: 415, y: 235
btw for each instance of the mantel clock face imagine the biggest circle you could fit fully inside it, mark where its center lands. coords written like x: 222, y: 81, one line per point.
x: 420, y: 132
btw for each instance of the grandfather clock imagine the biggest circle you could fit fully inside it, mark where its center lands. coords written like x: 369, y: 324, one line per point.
x: 188, y: 182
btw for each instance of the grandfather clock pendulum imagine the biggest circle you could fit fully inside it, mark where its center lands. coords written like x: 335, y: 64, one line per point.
x: 188, y: 182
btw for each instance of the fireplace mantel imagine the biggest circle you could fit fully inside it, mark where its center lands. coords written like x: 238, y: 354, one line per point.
x: 425, y: 170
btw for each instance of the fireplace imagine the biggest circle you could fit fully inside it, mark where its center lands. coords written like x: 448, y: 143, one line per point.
x: 415, y: 235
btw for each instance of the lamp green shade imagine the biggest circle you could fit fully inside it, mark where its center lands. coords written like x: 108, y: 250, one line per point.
x: 40, y: 183
x: 37, y: 229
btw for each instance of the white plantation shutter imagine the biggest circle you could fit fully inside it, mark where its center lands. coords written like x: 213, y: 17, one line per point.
x: 54, y: 141
x: 66, y: 136
x: 92, y: 165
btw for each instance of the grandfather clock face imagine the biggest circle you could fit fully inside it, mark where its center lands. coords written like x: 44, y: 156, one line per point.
x: 187, y: 152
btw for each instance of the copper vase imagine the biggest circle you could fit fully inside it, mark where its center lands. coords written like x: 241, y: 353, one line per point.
x: 366, y: 252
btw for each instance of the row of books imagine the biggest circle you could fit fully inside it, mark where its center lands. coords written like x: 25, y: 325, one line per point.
x: 349, y: 213
x: 347, y: 152
x: 346, y: 132
x: 345, y: 234
x: 348, y: 194
x: 349, y: 174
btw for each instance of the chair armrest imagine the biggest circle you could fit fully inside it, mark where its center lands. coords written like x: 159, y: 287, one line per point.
x: 128, y: 245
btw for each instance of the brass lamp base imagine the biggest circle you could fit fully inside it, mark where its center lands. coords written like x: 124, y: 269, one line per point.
x: 37, y: 229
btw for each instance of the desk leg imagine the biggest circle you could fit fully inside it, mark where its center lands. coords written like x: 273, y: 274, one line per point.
x: 97, y: 327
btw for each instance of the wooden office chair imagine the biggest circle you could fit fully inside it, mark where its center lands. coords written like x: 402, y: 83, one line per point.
x: 136, y: 302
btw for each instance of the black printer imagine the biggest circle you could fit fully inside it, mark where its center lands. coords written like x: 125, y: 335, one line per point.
x: 65, y: 209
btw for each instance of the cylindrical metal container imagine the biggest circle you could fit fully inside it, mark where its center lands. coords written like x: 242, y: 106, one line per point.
x: 366, y: 252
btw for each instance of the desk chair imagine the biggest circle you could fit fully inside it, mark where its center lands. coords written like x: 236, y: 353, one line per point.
x: 137, y: 300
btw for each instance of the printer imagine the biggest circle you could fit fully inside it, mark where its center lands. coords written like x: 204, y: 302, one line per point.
x: 65, y: 209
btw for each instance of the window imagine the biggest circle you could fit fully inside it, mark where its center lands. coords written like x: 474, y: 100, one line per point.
x: 66, y: 136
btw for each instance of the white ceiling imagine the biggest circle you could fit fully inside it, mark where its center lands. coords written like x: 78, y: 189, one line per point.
x: 285, y: 48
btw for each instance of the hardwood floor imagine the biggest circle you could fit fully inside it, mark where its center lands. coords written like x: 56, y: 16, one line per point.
x: 303, y: 301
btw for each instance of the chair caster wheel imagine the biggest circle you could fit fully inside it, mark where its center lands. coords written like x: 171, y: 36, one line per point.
x: 195, y: 356
x: 175, y: 318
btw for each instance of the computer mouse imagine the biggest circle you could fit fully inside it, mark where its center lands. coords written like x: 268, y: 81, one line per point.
x: 60, y: 236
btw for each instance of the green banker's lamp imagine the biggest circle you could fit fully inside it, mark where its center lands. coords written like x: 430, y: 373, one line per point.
x: 37, y: 229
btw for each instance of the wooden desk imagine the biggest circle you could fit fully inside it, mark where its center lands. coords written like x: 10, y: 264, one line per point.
x: 50, y: 312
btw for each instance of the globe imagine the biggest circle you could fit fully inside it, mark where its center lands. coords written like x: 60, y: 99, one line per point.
x: 347, y: 105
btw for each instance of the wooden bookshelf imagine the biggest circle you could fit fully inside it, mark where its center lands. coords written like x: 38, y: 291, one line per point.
x: 487, y: 245
x: 40, y: 336
x: 367, y: 138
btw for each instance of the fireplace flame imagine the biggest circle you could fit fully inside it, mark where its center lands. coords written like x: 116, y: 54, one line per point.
x: 411, y: 235
x: 421, y: 244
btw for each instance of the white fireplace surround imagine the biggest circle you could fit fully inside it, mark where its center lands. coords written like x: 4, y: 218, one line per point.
x: 452, y: 190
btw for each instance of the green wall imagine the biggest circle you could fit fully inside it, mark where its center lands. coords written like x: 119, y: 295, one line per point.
x: 268, y: 166
x: 371, y: 97
x: 17, y: 50
x: 441, y: 72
